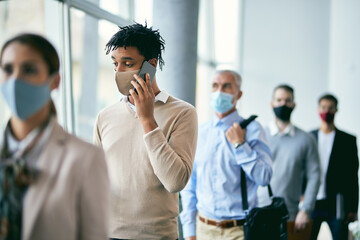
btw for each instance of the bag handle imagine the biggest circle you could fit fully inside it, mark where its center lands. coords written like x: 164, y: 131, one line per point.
x: 245, y: 203
x: 244, y: 190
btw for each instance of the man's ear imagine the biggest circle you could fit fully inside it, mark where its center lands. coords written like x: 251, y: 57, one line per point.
x: 271, y: 104
x: 239, y: 95
x: 153, y: 62
x: 55, y: 82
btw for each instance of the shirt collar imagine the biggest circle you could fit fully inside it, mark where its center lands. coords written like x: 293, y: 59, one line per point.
x: 162, y: 96
x: 228, y: 120
x: 274, y: 130
x: 15, y: 145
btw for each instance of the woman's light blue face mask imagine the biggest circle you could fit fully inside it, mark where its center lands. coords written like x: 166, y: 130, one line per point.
x: 221, y: 102
x: 23, y: 98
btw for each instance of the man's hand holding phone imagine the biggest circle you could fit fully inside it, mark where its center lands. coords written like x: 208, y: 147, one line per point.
x: 144, y: 101
x: 149, y: 69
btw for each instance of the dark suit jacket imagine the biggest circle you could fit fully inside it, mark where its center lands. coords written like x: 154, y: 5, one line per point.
x: 342, y: 172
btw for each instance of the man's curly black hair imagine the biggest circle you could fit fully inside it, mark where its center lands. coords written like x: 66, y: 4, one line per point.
x: 148, y: 41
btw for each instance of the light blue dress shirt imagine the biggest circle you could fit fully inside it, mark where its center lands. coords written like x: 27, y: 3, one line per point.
x: 214, y: 187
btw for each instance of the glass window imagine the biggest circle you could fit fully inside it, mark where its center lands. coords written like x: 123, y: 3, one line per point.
x: 206, y: 60
x: 218, y: 44
x: 226, y: 19
x: 121, y: 8
x: 93, y: 79
x: 11, y: 23
x: 144, y: 11
x: 203, y: 89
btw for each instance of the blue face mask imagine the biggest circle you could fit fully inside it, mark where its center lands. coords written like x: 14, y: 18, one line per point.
x: 25, y: 99
x: 221, y: 102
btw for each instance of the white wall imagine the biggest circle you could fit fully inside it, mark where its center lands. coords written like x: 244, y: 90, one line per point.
x: 344, y: 64
x: 311, y: 45
x: 285, y: 42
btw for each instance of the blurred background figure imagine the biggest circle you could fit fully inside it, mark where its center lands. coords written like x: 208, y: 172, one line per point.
x: 294, y: 156
x: 212, y: 201
x: 51, y: 183
x: 337, y: 199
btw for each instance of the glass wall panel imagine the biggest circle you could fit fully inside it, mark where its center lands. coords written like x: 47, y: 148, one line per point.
x: 226, y: 29
x: 93, y: 79
x: 218, y: 44
x: 144, y: 11
x: 18, y: 16
x: 120, y: 8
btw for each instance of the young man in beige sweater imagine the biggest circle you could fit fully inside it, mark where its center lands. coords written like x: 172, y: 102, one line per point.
x: 149, y: 139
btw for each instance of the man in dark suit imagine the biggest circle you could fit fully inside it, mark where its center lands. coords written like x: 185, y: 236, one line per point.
x: 337, y: 199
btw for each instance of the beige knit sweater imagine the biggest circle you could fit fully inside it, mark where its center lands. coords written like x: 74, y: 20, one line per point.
x: 147, y: 171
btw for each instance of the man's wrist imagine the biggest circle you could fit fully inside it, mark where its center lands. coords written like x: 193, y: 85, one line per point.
x: 303, y: 209
x: 238, y: 144
x: 148, y: 125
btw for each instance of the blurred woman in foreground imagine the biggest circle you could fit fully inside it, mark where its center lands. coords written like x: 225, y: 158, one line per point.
x: 52, y: 185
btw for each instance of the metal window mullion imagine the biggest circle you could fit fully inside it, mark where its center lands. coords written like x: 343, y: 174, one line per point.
x: 97, y: 12
x: 68, y: 83
x: 131, y: 10
x: 240, y: 35
x: 210, y: 32
x: 63, y: 68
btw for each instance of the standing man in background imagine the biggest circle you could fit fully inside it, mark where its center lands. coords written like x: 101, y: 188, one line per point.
x: 338, y: 196
x: 295, y: 156
x: 212, y: 204
x: 149, y: 138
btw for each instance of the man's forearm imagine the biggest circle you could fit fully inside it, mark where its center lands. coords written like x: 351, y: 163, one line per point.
x: 148, y: 125
x: 172, y: 170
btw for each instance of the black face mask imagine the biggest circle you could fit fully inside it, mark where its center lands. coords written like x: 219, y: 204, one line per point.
x: 283, y: 112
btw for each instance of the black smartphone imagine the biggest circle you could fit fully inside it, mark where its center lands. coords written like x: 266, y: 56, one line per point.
x: 147, y: 68
x: 247, y: 121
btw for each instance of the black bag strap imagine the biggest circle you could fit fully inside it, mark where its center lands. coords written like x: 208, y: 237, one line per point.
x: 244, y: 190
x: 270, y: 191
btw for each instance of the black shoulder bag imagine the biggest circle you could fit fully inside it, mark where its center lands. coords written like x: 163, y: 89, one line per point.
x: 269, y: 222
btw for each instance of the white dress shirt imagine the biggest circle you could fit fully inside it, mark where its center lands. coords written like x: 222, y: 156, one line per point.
x: 325, y: 144
x: 162, y: 96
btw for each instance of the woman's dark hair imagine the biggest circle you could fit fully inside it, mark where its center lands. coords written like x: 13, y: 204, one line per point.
x: 39, y: 44
x: 148, y: 41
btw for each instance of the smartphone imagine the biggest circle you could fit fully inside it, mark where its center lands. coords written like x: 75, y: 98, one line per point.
x: 147, y: 68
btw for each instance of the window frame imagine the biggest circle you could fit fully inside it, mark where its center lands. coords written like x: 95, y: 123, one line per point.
x: 97, y: 12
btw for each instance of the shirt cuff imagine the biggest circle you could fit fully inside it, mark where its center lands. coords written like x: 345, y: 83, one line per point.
x: 305, y: 208
x: 151, y: 132
x: 189, y: 230
x: 244, y: 153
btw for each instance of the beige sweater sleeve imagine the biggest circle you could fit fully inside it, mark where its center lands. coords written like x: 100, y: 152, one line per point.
x: 172, y: 157
x: 96, y: 133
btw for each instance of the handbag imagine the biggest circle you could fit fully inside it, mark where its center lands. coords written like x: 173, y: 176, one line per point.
x: 269, y: 222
